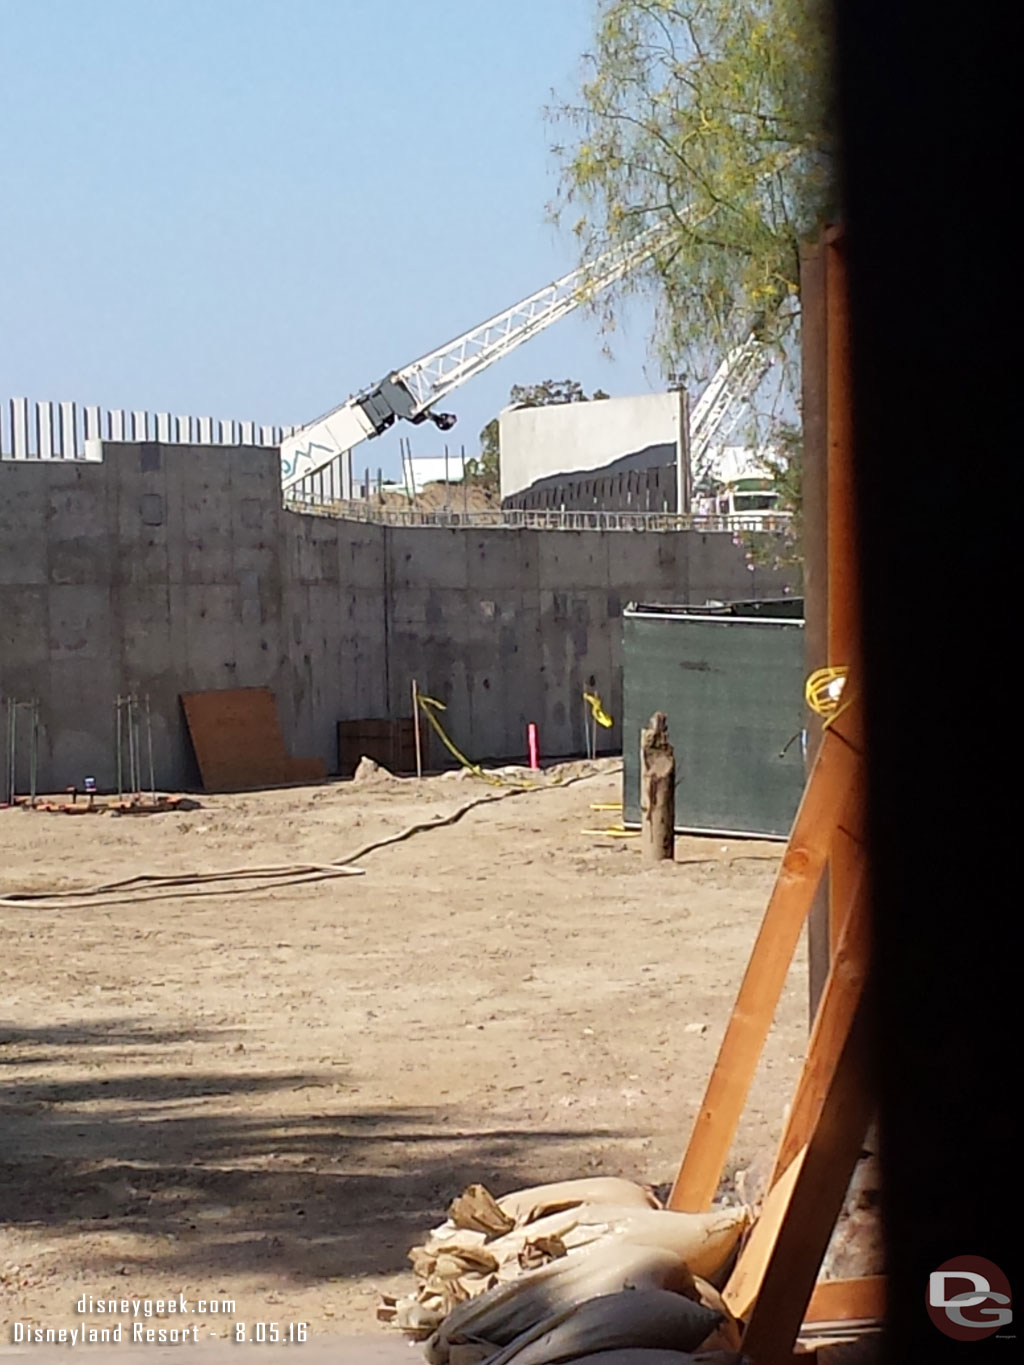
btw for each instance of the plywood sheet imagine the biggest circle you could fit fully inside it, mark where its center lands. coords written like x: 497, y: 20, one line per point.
x: 238, y: 743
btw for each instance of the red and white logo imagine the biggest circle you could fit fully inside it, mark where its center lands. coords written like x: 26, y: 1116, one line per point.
x: 969, y: 1298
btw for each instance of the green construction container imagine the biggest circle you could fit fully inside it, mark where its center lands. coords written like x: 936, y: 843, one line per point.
x: 730, y: 679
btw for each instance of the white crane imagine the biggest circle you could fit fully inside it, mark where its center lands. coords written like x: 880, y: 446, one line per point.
x: 412, y: 392
x: 718, y: 409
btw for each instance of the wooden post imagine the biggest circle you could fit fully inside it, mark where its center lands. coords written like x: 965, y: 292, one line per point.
x: 816, y: 1201
x: 657, y: 791
x: 843, y: 578
x: 834, y: 787
x: 814, y: 538
x: 416, y: 726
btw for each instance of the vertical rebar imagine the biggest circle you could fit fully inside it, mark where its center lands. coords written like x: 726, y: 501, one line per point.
x: 149, y: 743
x: 33, y: 751
x: 120, y: 749
x: 9, y: 773
x: 133, y: 748
x: 14, y: 752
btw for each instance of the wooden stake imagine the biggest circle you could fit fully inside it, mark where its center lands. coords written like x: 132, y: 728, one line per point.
x: 657, y: 791
x: 839, y: 1003
x: 848, y: 1300
x: 816, y: 1201
x: 740, y: 1293
x: 833, y: 789
x: 416, y: 726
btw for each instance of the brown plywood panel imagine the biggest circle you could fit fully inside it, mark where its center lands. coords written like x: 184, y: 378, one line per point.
x: 237, y: 740
x: 306, y: 769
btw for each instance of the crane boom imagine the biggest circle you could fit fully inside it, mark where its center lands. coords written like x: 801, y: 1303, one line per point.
x: 410, y: 393
x: 717, y: 410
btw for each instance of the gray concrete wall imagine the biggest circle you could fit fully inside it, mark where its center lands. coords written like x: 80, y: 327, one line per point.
x: 167, y: 569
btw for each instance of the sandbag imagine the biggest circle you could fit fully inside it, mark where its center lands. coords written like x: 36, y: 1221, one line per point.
x: 642, y: 1355
x: 525, y: 1206
x: 636, y: 1317
x: 509, y: 1309
x: 705, y: 1241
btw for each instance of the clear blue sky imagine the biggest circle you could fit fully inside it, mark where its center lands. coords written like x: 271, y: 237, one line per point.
x: 251, y: 208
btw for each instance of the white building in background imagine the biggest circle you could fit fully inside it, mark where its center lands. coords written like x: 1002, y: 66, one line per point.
x: 424, y: 469
x: 620, y: 455
x: 572, y: 454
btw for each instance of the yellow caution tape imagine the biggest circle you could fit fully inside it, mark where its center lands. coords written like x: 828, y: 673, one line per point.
x: 430, y: 706
x: 607, y: 805
x: 597, y: 708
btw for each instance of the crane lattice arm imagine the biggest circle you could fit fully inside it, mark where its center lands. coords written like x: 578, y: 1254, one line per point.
x: 719, y: 407
x: 410, y: 393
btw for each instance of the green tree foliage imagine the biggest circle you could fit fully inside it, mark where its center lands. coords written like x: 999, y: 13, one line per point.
x: 708, y: 118
x: 485, y: 470
x: 711, y: 120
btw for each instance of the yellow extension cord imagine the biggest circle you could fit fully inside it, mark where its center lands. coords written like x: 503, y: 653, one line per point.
x: 823, y: 696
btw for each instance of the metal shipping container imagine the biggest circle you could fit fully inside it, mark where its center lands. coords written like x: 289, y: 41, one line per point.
x: 730, y: 680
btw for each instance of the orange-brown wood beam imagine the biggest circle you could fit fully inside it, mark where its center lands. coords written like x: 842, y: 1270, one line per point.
x: 861, y: 1299
x: 839, y: 1002
x: 817, y: 1198
x: 843, y: 624
x: 835, y: 785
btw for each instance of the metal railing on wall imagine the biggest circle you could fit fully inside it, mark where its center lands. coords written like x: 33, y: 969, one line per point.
x: 66, y: 431
x: 535, y: 519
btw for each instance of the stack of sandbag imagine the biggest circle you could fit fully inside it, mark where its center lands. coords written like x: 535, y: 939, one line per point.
x: 558, y: 1272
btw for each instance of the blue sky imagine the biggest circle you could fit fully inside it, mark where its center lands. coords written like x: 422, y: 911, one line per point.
x: 251, y: 208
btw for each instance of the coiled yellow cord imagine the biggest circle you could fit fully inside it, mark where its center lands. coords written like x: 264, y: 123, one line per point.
x: 824, y: 691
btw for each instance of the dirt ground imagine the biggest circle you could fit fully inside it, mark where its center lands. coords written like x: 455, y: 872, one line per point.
x: 268, y: 1096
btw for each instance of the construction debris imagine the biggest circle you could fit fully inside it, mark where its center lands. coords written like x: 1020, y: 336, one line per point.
x: 369, y: 770
x: 135, y: 805
x: 542, y: 1275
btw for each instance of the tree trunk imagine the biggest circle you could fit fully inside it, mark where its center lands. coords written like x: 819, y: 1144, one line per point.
x: 657, y: 791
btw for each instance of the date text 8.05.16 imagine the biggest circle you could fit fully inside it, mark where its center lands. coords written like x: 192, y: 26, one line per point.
x: 271, y: 1331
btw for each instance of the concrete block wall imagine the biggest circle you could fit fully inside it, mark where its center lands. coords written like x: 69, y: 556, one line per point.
x: 167, y: 568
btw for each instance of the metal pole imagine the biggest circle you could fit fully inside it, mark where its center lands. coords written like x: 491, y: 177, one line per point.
x: 416, y: 726
x: 131, y: 748
x: 33, y: 759
x: 149, y: 743
x: 136, y: 747
x: 11, y: 733
x: 465, y: 490
x: 120, y: 764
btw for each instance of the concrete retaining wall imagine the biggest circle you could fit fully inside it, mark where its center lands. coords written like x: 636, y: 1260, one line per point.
x: 167, y: 569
